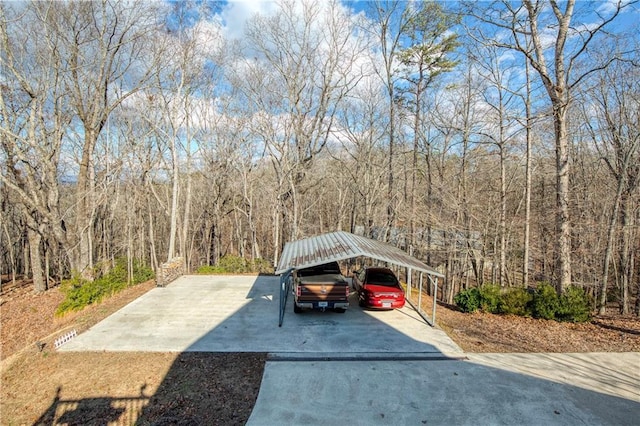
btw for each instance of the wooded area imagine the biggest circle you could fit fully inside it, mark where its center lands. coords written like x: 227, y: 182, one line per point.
x: 498, y: 142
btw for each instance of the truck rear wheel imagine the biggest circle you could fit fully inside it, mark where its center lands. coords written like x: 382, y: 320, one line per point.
x: 296, y: 308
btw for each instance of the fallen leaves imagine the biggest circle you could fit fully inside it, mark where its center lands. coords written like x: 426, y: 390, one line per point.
x: 482, y: 332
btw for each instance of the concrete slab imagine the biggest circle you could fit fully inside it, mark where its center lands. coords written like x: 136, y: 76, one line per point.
x: 615, y: 374
x: 240, y: 314
x: 489, y: 389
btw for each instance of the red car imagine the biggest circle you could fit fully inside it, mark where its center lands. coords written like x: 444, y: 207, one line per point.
x: 378, y: 288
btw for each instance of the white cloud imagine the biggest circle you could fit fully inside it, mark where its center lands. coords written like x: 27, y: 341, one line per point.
x: 607, y: 7
x: 236, y: 13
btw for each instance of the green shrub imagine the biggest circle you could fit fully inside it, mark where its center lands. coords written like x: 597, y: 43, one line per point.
x: 486, y: 298
x: 262, y: 266
x: 545, y: 302
x: 234, y: 264
x: 226, y: 265
x: 230, y: 264
x: 120, y: 272
x: 209, y: 269
x: 490, y: 295
x: 574, y: 305
x: 516, y: 301
x: 80, y: 293
x: 468, y: 300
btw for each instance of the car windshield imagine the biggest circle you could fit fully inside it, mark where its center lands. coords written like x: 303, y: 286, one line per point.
x: 381, y: 278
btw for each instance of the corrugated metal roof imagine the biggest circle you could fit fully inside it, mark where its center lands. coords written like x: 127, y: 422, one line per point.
x: 336, y: 246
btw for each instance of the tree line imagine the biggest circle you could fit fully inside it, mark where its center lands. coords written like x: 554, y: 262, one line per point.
x: 498, y: 145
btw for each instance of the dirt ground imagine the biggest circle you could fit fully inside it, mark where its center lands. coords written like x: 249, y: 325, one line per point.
x: 43, y: 386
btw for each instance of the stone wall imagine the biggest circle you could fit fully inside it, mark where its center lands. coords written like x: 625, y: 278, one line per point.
x: 170, y: 271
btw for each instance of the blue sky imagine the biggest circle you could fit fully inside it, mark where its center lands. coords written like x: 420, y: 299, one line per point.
x: 233, y: 15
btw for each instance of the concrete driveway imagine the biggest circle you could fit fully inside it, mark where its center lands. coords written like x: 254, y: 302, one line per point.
x: 366, y: 368
x: 240, y: 314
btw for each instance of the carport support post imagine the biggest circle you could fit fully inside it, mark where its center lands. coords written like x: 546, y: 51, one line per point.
x: 435, y: 300
x: 283, y: 299
x: 409, y: 274
x: 285, y: 279
x: 420, y: 293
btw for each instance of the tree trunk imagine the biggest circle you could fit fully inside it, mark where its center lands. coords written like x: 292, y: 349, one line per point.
x: 556, y: 85
x: 414, y: 162
x: 35, y: 240
x: 186, y: 253
x: 563, y: 241
x: 276, y: 232
x: 152, y: 241
x: 390, y: 206
x: 503, y: 209
x: 174, y: 201
x: 528, y: 176
x: 82, y: 262
x: 11, y: 253
x: 608, y: 254
x: 626, y: 263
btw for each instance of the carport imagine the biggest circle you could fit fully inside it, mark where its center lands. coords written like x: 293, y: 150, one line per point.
x: 340, y: 245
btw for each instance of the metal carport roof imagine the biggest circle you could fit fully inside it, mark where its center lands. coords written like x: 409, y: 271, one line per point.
x: 341, y: 245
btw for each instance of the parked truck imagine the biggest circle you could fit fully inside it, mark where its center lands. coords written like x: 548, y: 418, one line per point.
x: 320, y: 287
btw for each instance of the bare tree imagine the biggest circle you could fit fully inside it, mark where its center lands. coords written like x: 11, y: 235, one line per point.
x: 610, y: 111
x: 425, y: 58
x: 188, y: 149
x: 528, y: 177
x: 391, y: 25
x: 179, y: 80
x: 458, y: 119
x: 527, y: 23
x: 361, y: 154
x: 500, y: 129
x: 35, y: 118
x: 308, y: 54
x: 100, y: 47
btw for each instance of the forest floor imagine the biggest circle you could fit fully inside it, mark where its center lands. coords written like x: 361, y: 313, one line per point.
x: 43, y: 386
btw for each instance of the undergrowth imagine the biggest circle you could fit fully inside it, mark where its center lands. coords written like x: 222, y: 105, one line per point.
x: 237, y: 265
x: 110, y: 279
x: 574, y: 305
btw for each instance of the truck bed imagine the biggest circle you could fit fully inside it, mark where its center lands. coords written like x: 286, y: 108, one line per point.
x: 322, y: 287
